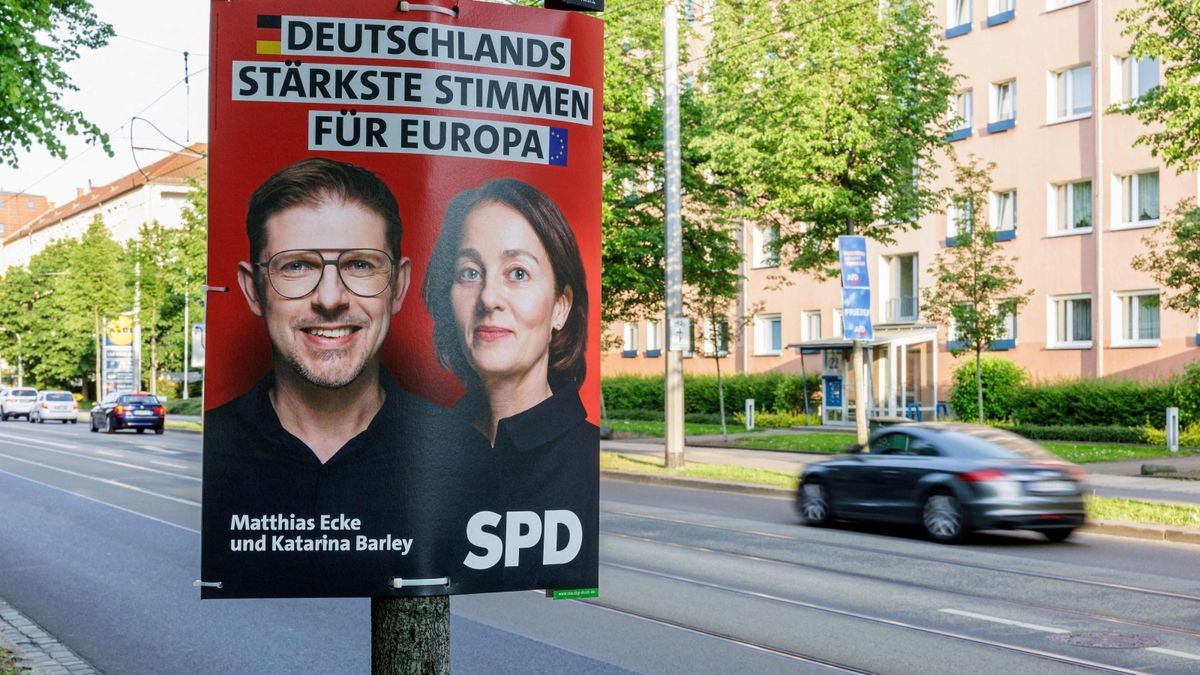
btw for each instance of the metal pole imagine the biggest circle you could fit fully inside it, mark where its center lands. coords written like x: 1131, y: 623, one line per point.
x: 673, y: 393
x: 861, y: 405
x: 187, y: 337
x: 137, y: 328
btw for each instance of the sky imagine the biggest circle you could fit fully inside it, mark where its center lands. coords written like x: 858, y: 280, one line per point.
x: 135, y: 84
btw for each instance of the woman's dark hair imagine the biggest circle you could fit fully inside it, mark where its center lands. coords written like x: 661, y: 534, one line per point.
x: 311, y: 181
x: 569, y: 344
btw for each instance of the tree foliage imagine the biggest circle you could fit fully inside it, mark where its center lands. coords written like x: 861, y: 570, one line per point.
x: 975, y: 286
x: 828, y: 117
x: 37, y: 39
x: 1168, y: 30
x: 1172, y: 258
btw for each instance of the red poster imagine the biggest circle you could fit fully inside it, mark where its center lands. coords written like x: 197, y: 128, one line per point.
x: 402, y: 368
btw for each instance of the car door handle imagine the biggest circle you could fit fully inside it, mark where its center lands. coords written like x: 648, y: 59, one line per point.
x: 891, y: 473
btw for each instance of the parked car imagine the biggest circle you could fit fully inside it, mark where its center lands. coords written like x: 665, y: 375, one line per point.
x: 948, y: 478
x: 17, y: 402
x: 55, y: 405
x: 138, y: 410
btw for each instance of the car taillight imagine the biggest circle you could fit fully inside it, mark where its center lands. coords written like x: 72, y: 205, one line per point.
x: 119, y: 409
x: 45, y: 405
x: 983, y: 475
x: 160, y: 410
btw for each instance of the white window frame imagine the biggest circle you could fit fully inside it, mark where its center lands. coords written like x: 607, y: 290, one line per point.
x: 957, y: 219
x: 837, y: 329
x: 1060, y: 93
x: 1127, y: 75
x: 893, y: 275
x: 1010, y: 326
x: 1052, y: 5
x: 629, y: 338
x: 998, y: 212
x: 1126, y: 194
x: 807, y: 318
x: 998, y: 111
x: 962, y: 99
x: 1000, y: 6
x: 1062, y: 199
x: 710, y: 345
x: 763, y: 335
x: 654, y: 336
x: 761, y: 238
x: 1125, y: 304
x: 1052, y: 324
x: 958, y: 13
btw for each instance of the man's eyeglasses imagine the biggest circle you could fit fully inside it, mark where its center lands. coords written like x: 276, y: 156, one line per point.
x: 365, y: 272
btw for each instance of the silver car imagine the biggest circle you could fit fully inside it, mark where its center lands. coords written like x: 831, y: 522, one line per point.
x: 55, y: 405
x: 17, y: 402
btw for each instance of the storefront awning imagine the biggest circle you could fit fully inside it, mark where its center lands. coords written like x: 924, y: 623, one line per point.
x: 885, y: 334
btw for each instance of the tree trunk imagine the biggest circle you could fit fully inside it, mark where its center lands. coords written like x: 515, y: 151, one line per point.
x: 861, y: 409
x: 979, y: 385
x: 721, y: 399
x: 410, y: 636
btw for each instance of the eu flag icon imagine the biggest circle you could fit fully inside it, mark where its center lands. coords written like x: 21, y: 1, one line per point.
x: 558, y: 147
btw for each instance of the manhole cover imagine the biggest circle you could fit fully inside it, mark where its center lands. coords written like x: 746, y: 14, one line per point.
x: 1106, y: 640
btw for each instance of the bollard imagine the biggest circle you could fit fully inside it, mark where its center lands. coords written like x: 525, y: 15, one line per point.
x: 1173, y: 429
x: 749, y: 414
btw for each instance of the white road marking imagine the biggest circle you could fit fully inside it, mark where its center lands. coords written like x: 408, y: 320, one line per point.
x: 1172, y: 652
x: 1007, y: 622
x: 38, y: 441
x: 165, y: 451
x: 107, y: 481
x: 99, y: 501
x: 109, y: 453
x: 169, y: 465
x: 127, y: 465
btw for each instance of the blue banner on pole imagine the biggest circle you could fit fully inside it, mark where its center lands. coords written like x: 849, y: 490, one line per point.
x: 852, y: 253
x: 856, y: 314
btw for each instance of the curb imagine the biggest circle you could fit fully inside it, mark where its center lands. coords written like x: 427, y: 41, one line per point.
x: 36, y: 651
x: 1112, y: 528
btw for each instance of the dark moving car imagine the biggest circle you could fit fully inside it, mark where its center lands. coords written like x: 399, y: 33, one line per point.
x: 137, y: 410
x: 948, y: 478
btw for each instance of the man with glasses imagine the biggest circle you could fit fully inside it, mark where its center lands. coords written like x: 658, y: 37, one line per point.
x: 326, y: 446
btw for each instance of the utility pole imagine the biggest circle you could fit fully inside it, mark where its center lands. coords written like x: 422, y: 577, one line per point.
x: 187, y: 334
x: 137, y: 325
x: 673, y: 382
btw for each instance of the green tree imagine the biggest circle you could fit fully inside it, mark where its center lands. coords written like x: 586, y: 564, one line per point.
x: 37, y: 39
x: 1172, y: 258
x: 975, y: 286
x: 828, y: 117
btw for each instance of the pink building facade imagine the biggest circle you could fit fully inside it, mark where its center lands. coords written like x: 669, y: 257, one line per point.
x: 1072, y: 200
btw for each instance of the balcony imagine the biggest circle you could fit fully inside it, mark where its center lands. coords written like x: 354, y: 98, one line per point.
x: 902, y: 309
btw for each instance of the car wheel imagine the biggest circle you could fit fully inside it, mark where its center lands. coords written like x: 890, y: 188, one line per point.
x: 158, y: 431
x: 29, y: 418
x: 92, y: 424
x: 109, y: 428
x: 813, y: 504
x: 40, y: 419
x: 1058, y: 533
x: 74, y: 421
x: 141, y: 431
x: 4, y: 417
x: 943, y: 518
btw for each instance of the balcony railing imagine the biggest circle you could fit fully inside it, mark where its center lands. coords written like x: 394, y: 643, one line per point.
x: 901, y: 309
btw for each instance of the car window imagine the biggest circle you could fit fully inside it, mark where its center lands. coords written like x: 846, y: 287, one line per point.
x: 59, y: 396
x: 148, y: 400
x: 890, y: 444
x: 24, y: 392
x: 922, y: 448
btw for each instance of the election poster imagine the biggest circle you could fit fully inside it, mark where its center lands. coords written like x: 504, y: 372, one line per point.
x: 402, y: 396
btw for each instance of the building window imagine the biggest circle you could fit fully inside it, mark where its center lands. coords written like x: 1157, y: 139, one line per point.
x: 1072, y: 207
x: 958, y: 17
x: 810, y: 326
x: 1139, y: 199
x: 1070, y: 321
x: 1136, y: 316
x: 960, y: 115
x: 716, y: 337
x: 653, y: 338
x: 959, y: 217
x: 1052, y: 5
x: 768, y: 335
x: 1004, y: 106
x: 629, y: 341
x: 902, y: 294
x: 1004, y: 214
x: 1001, y: 7
x: 1071, y: 93
x: 1137, y: 77
x: 837, y: 330
x: 765, y: 246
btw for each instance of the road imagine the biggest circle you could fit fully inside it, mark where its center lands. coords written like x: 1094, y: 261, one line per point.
x: 99, y: 545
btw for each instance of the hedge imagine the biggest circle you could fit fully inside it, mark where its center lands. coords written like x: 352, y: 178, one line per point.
x: 772, y: 392
x: 1099, y: 434
x: 1101, y: 403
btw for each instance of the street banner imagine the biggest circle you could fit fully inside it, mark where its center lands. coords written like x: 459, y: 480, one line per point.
x: 197, y: 353
x: 117, y: 359
x: 856, y: 314
x: 404, y: 242
x: 852, y: 253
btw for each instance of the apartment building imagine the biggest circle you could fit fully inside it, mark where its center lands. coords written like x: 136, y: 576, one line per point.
x: 157, y: 192
x: 1072, y: 199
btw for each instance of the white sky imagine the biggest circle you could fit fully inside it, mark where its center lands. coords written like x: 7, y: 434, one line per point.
x: 139, y: 74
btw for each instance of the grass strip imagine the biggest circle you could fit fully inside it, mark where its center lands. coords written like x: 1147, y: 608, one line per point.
x: 1101, y: 508
x: 7, y: 665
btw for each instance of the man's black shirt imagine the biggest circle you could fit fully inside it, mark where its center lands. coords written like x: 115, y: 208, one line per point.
x: 276, y: 519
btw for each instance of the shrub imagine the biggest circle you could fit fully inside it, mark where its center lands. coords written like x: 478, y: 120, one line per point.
x: 1085, y: 434
x: 1123, y: 403
x: 773, y: 392
x: 179, y: 406
x: 1189, y: 436
x: 1002, y: 379
x: 777, y: 420
x: 1187, y: 394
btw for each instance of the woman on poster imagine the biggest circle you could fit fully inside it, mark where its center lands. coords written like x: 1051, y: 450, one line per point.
x: 506, y: 288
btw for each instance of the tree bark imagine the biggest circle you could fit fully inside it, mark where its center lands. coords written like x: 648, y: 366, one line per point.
x: 979, y: 385
x: 410, y: 636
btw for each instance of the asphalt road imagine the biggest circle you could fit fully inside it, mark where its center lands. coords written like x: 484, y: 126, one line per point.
x: 98, y: 544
